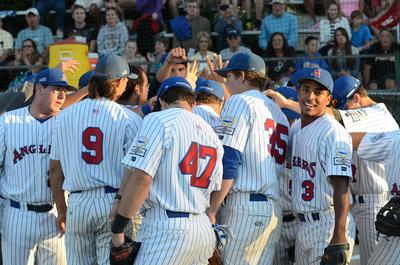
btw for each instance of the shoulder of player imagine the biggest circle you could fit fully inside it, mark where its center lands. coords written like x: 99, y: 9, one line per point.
x: 15, y: 115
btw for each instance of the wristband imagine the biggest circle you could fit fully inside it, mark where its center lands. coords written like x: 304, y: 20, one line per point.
x: 120, y: 222
x: 146, y: 109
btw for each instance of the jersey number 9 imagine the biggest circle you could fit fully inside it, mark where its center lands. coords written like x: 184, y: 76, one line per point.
x: 92, y: 139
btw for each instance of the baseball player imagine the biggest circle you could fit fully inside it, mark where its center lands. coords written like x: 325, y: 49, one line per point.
x: 209, y: 101
x: 90, y: 139
x: 321, y: 168
x: 254, y: 133
x: 384, y: 148
x: 29, y: 232
x: 284, y: 253
x: 173, y: 165
x: 359, y: 113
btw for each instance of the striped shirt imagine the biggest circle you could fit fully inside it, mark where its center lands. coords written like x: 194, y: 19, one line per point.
x: 207, y: 113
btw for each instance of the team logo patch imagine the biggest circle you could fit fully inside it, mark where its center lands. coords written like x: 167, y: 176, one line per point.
x: 142, y: 141
x: 224, y: 130
x: 228, y: 121
x: 138, y: 151
x: 316, y: 73
x: 341, y: 152
x: 341, y: 161
x: 227, y: 125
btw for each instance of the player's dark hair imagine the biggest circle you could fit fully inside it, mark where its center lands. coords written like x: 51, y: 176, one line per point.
x: 130, y: 87
x: 254, y: 79
x: 309, y: 39
x: 99, y: 88
x: 178, y: 93
x: 361, y: 91
x: 207, y: 98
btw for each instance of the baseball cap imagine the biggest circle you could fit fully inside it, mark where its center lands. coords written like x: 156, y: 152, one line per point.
x: 344, y: 88
x: 289, y: 93
x: 212, y: 87
x: 232, y: 32
x: 244, y: 61
x: 84, y: 79
x: 33, y: 11
x: 175, y: 81
x: 53, y: 77
x: 278, y: 1
x: 318, y: 75
x: 112, y: 66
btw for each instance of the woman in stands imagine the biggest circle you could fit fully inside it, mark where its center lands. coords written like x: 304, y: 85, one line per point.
x: 203, y: 46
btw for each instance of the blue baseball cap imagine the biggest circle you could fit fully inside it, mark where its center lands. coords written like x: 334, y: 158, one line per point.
x: 175, y: 81
x: 84, y: 79
x: 318, y: 75
x: 244, y: 61
x: 53, y: 77
x: 212, y: 87
x: 289, y: 93
x: 343, y: 89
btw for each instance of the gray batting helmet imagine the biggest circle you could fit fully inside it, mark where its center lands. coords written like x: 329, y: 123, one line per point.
x: 112, y: 66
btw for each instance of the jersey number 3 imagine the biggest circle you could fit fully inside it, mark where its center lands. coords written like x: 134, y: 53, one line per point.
x: 189, y: 164
x: 92, y: 139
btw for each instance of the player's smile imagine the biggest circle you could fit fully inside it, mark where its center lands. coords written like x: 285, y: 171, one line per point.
x: 313, y: 99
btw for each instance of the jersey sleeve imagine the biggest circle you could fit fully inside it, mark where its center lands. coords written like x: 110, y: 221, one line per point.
x: 146, y: 149
x: 55, y: 140
x: 234, y: 124
x: 338, y: 152
x: 2, y: 140
x: 131, y: 130
x: 377, y: 146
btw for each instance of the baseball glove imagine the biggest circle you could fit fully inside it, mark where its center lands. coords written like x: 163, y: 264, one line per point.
x: 388, y: 218
x: 336, y: 254
x: 124, y: 254
x: 216, y: 258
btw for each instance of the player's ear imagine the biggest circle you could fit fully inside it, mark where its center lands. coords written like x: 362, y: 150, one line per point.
x: 137, y: 90
x: 329, y: 100
x: 356, y: 98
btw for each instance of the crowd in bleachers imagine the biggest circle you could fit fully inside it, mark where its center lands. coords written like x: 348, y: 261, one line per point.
x: 348, y: 28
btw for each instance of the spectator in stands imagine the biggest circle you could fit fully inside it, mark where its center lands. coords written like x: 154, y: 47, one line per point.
x: 41, y: 35
x: 225, y: 23
x: 329, y: 24
x: 6, y: 44
x: 203, y: 46
x: 160, y: 48
x: 93, y: 6
x: 29, y: 57
x: 259, y: 10
x: 233, y: 40
x: 81, y: 31
x: 113, y: 35
x: 132, y: 56
x: 44, y: 6
x: 361, y: 36
x: 379, y: 71
x: 280, y: 70
x: 341, y: 66
x: 278, y: 21
x: 311, y: 58
x: 191, y: 24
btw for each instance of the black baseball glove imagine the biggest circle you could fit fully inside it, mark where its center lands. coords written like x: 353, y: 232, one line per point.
x: 388, y: 218
x: 336, y: 254
x: 124, y: 254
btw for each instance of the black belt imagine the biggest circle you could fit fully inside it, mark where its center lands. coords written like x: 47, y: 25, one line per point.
x: 288, y: 217
x: 34, y: 208
x: 107, y: 189
x: 257, y: 197
x: 172, y: 214
x: 314, y: 216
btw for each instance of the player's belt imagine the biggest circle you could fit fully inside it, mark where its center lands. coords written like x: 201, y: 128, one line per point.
x: 43, y: 208
x: 288, y: 217
x: 258, y: 197
x: 314, y: 216
x: 172, y: 214
x: 107, y: 189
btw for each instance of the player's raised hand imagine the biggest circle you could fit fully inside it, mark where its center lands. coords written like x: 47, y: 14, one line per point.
x: 176, y: 56
x: 191, y: 73
x: 216, y: 64
x: 69, y: 65
x: 279, y: 99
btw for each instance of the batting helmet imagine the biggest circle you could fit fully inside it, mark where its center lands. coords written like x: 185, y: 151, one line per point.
x: 289, y: 93
x: 112, y: 66
x: 244, y: 61
x: 343, y: 89
x: 318, y: 75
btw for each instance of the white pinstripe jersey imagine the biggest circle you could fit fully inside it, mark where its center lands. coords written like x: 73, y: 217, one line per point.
x: 25, y: 144
x: 255, y: 126
x: 207, y: 113
x: 183, y: 155
x: 369, y: 177
x: 90, y: 139
x: 384, y: 148
x: 321, y: 149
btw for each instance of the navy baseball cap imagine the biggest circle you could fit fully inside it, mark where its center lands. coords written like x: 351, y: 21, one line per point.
x: 84, y: 79
x: 53, y: 77
x: 175, y: 81
x: 212, y: 87
x: 343, y: 89
x: 244, y: 61
x: 232, y: 32
x: 318, y: 75
x: 112, y: 66
x: 289, y: 93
